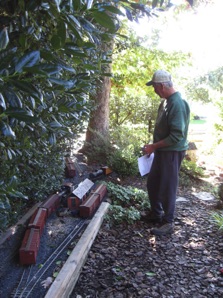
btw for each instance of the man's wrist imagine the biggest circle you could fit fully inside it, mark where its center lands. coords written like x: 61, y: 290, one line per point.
x: 159, y: 144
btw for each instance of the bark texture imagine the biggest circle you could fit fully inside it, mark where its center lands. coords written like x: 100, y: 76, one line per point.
x: 99, y: 120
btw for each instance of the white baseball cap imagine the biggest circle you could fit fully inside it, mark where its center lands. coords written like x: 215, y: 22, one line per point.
x: 160, y: 76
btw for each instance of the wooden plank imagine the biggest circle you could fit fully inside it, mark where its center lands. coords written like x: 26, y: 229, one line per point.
x: 65, y: 281
x: 11, y: 231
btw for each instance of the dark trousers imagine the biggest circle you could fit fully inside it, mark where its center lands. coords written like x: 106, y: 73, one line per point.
x: 162, y: 183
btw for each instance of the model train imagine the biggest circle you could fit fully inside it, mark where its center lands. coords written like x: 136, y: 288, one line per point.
x: 82, y: 200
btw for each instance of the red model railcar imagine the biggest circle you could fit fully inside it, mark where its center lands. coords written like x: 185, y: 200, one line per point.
x: 38, y: 219
x: 90, y: 206
x: 100, y: 189
x: 70, y: 170
x: 74, y: 203
x: 52, y: 204
x: 30, y: 246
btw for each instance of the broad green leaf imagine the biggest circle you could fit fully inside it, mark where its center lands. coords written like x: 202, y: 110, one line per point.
x: 9, y: 154
x: 56, y: 42
x: 104, y: 20
x: 2, y: 102
x: 28, y: 88
x: 55, y: 124
x: 72, y: 27
x: 23, y: 40
x: 27, y: 60
x: 68, y: 68
x: 6, y: 57
x: 52, y: 139
x: 55, y: 274
x: 63, y: 109
x: 2, y: 205
x: 105, y: 37
x: 4, y: 38
x: 89, y: 4
x: 31, y: 5
x: 12, y: 98
x: 65, y: 84
x: 18, y: 194
x: 58, y: 2
x: 93, y: 38
x: 75, y: 21
x: 54, y: 10
x: 76, y: 4
x: 33, y: 102
x: 61, y: 31
x: 47, y: 55
x: 75, y: 52
x: 6, y: 130
x: 75, y: 115
x: 89, y: 66
x: 21, y: 114
x: 44, y: 69
x: 88, y: 26
x: 12, y: 183
x: 88, y: 45
x: 113, y: 9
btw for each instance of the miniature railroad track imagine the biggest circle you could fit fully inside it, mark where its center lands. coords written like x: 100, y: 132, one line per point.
x: 30, y: 280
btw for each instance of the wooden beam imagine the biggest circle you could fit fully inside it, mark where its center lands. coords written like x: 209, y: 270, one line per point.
x: 65, y: 281
x: 23, y: 221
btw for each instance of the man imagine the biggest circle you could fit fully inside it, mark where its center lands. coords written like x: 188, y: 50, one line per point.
x: 169, y: 147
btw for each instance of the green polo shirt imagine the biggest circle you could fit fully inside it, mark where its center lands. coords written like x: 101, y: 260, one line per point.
x: 172, y: 123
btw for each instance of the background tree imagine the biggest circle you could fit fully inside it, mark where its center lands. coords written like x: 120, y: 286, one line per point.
x: 207, y: 89
x: 98, y: 127
x: 134, y: 63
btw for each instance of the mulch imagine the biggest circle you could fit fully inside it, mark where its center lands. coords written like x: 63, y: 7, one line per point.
x: 128, y: 261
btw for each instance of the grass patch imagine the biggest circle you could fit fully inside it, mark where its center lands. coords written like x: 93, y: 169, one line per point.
x: 201, y: 121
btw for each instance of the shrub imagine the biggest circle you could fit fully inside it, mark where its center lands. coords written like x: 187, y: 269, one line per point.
x: 189, y: 172
x: 217, y: 218
x: 190, y: 168
x: 123, y: 161
x: 127, y: 203
x: 127, y: 142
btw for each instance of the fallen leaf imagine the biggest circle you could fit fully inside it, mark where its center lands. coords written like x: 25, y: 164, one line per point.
x: 150, y: 274
x: 47, y: 282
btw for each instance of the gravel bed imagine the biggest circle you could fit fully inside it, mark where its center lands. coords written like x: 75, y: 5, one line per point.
x: 55, y: 231
x: 57, y: 227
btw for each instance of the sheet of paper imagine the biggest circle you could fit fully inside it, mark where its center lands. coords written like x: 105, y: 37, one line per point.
x: 145, y: 163
x: 83, y: 188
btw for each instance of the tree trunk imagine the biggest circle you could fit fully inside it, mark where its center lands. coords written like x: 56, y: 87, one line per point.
x: 98, y: 126
x: 99, y: 118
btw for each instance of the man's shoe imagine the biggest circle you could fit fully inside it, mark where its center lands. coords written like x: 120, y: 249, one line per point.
x: 166, y: 229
